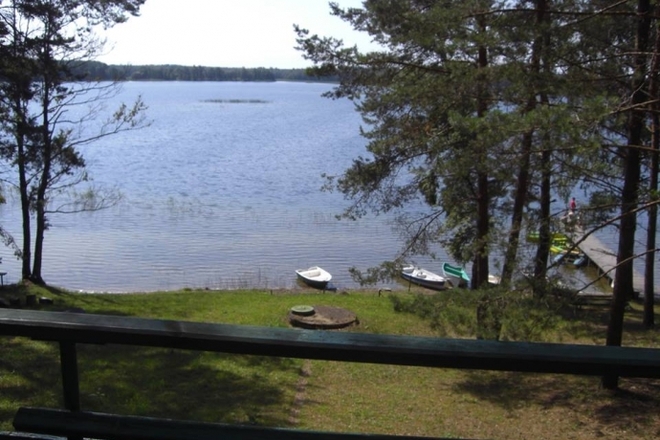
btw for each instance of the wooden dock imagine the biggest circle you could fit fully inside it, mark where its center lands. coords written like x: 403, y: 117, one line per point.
x: 605, y: 259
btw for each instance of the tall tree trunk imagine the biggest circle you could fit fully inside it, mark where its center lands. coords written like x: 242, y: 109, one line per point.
x: 623, y: 278
x: 520, y: 197
x: 47, y: 156
x: 21, y: 135
x: 26, y: 273
x: 41, y: 201
x: 649, y: 266
x: 649, y: 269
x: 522, y: 184
x: 543, y: 250
x: 41, y: 223
x: 21, y: 96
x: 480, y: 263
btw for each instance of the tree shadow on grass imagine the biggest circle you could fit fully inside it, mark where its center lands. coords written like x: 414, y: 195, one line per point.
x: 148, y: 381
x: 29, y: 376
x: 634, y: 406
x: 591, y: 322
x: 189, y: 385
x: 156, y: 382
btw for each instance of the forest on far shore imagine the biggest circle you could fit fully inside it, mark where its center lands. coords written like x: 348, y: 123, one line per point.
x: 98, y: 71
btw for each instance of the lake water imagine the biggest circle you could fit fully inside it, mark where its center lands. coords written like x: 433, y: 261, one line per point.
x: 221, y: 191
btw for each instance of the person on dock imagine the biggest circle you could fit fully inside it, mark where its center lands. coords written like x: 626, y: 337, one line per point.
x: 572, y: 218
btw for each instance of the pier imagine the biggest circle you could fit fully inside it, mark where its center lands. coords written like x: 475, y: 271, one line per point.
x: 605, y: 260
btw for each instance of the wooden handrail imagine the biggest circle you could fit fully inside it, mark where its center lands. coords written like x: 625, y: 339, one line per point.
x: 70, y: 329
x: 335, y: 346
x: 99, y: 425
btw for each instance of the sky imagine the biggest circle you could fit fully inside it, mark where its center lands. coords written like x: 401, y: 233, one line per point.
x: 224, y: 33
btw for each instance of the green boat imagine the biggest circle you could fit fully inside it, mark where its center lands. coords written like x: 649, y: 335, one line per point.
x: 557, y: 238
x: 456, y: 275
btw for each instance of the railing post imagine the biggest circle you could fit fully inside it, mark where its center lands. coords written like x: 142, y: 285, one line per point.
x: 70, y: 386
x: 69, y: 363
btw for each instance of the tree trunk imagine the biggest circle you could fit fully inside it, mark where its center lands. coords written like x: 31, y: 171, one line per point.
x: 23, y: 190
x: 543, y: 250
x: 480, y: 263
x: 522, y: 186
x: 623, y: 278
x: 21, y: 94
x: 649, y: 269
x: 520, y: 197
x: 44, y: 179
x: 26, y: 273
x: 41, y: 222
x: 649, y: 266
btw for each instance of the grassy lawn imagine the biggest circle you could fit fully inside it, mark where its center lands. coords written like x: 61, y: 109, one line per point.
x: 335, y: 396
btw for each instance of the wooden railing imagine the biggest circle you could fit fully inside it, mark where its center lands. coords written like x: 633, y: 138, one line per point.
x: 71, y: 329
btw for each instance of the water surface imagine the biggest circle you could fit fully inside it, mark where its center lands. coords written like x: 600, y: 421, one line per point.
x: 221, y: 191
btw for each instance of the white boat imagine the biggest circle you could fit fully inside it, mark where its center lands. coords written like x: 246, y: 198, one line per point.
x: 314, y: 277
x: 423, y: 277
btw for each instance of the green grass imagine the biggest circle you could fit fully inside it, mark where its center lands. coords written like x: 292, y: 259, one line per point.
x: 335, y: 396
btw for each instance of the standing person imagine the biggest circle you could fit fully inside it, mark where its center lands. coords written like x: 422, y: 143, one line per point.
x: 572, y: 206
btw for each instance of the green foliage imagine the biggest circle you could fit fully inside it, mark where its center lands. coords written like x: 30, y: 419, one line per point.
x: 484, y: 112
x: 505, y: 315
x: 97, y: 71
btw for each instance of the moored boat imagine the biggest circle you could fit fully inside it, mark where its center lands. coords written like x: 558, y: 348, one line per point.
x: 562, y: 253
x: 314, y: 277
x: 423, y: 277
x: 581, y: 261
x: 456, y: 275
x: 556, y: 238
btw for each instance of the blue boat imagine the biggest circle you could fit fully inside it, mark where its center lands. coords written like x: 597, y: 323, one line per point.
x: 581, y: 261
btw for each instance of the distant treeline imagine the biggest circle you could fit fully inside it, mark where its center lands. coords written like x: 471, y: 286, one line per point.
x: 169, y: 72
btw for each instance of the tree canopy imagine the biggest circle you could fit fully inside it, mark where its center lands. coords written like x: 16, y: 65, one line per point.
x: 171, y: 72
x: 488, y: 111
x: 43, y: 45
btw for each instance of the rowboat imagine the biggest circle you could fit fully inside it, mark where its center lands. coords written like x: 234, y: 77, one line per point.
x: 314, y: 277
x: 423, y: 277
x: 456, y: 275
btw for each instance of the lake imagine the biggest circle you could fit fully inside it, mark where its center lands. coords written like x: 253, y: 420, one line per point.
x: 221, y: 191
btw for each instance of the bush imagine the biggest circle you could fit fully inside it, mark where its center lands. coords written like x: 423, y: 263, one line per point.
x: 503, y: 314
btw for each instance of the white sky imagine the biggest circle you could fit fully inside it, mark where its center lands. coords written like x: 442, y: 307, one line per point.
x: 225, y: 33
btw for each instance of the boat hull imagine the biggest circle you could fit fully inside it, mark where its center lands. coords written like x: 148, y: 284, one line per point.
x: 314, y: 277
x: 424, y: 278
x: 456, y: 275
x: 581, y: 261
x: 556, y: 238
